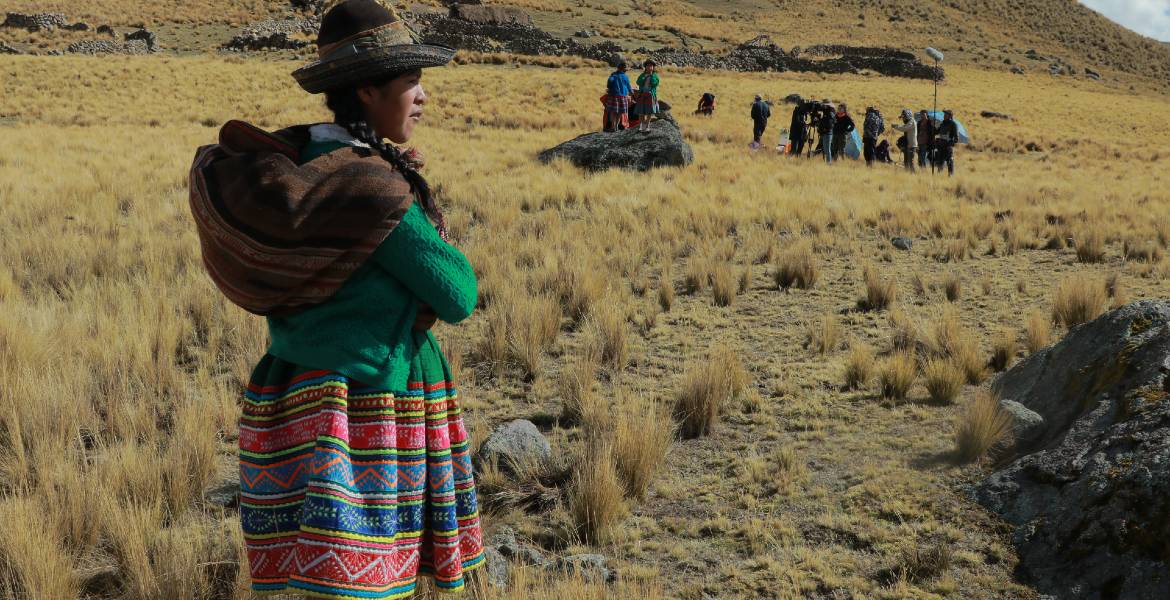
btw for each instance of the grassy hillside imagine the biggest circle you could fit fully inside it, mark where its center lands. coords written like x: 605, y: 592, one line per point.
x: 990, y: 33
x: 121, y: 366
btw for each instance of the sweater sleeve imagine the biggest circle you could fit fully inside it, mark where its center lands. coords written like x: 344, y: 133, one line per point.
x: 434, y: 271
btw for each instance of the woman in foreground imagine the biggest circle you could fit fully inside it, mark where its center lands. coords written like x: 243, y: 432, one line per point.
x: 354, y: 468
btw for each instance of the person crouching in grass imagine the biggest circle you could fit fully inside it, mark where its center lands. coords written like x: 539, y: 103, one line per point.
x: 355, y: 474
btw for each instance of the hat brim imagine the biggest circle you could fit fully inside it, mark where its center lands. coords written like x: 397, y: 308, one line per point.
x: 335, y: 73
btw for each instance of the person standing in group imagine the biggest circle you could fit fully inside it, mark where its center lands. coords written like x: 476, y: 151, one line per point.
x: 617, y: 104
x: 761, y: 112
x: 842, y: 129
x: 647, y: 105
x: 925, y: 137
x: 825, y: 128
x: 354, y: 462
x: 909, y: 141
x: 798, y: 129
x: 873, y: 127
x: 948, y: 137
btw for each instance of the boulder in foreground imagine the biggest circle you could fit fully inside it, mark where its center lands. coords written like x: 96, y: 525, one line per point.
x: 662, y: 147
x: 1089, y: 493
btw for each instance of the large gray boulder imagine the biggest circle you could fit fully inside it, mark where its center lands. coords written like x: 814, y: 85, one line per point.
x: 664, y: 146
x: 1089, y: 493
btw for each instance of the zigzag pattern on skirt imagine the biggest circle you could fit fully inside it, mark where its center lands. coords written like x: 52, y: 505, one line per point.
x: 348, y: 491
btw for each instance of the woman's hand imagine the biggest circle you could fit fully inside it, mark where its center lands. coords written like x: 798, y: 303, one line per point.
x: 425, y: 319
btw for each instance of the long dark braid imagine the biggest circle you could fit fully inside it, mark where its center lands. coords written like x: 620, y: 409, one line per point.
x: 348, y: 113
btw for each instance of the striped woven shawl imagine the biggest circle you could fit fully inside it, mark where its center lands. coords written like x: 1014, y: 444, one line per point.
x: 277, y: 236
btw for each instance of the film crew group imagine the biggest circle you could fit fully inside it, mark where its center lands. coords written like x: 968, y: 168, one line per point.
x: 825, y: 129
x: 626, y: 107
x: 830, y: 125
x: 927, y: 142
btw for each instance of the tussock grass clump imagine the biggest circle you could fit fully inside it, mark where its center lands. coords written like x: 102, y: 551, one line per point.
x: 943, y: 379
x: 905, y: 334
x: 610, y: 331
x: 982, y: 427
x: 920, y: 564
x: 1142, y: 250
x: 665, y: 292
x: 1090, y: 245
x: 897, y: 375
x: 724, y: 286
x: 641, y: 439
x: 707, y: 388
x: 1037, y: 331
x: 953, y: 287
x: 580, y: 289
x: 697, y: 275
x: 579, y: 403
x: 972, y: 362
x: 1003, y: 350
x: 596, y: 497
x: 533, y: 325
x: 880, y: 291
x: 797, y: 267
x: 859, y: 366
x: 1079, y: 299
x: 824, y: 335
x: 520, y: 329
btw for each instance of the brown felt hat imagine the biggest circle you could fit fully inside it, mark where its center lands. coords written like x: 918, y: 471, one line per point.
x: 362, y: 41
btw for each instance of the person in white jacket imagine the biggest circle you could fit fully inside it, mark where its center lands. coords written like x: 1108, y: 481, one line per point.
x: 910, y: 138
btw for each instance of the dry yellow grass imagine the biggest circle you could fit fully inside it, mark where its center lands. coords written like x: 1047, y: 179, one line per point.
x: 943, y: 379
x: 797, y: 267
x: 1037, y: 331
x: 859, y: 366
x: 983, y: 426
x: 642, y: 437
x: 824, y: 334
x: 1079, y: 299
x: 897, y: 375
x: 135, y: 363
x: 596, y: 498
x: 880, y: 290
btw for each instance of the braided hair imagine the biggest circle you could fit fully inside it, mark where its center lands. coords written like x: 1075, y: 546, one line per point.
x: 348, y: 113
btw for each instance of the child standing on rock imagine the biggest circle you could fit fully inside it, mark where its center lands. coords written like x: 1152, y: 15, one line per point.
x: 647, y: 105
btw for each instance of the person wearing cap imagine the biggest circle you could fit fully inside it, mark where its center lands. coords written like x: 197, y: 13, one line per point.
x: 617, y: 103
x: 873, y: 127
x: 760, y: 113
x: 909, y: 141
x: 355, y: 474
x: 947, y: 138
x: 647, y: 105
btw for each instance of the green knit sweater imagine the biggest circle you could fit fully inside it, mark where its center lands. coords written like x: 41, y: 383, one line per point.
x: 365, y: 330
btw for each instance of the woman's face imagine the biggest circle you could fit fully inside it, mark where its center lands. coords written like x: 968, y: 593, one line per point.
x: 394, y: 108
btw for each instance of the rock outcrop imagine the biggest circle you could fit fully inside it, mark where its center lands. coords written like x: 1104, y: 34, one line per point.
x: 664, y: 146
x: 35, y: 22
x: 513, y: 444
x: 290, y: 33
x: 1089, y: 493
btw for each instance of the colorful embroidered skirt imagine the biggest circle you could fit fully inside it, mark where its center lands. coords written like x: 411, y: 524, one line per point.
x: 616, y: 104
x: 349, y: 491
